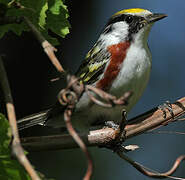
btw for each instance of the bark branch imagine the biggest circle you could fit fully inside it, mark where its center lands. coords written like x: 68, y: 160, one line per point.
x: 138, y: 125
x: 148, y: 121
x: 16, y: 145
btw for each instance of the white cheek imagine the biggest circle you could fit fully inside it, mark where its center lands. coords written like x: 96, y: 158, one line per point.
x: 120, y: 28
x: 118, y: 34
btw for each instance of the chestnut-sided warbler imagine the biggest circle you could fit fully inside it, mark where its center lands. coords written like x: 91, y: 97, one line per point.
x: 120, y: 61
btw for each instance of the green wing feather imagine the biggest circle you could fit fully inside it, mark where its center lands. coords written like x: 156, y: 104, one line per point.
x: 93, y: 65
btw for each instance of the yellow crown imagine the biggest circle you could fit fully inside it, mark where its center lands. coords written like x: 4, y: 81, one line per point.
x: 132, y: 11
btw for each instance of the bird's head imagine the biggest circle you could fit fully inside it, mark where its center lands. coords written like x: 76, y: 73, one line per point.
x: 131, y: 24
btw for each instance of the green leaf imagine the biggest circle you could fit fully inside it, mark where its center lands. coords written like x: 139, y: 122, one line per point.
x: 5, y: 135
x: 42, y: 17
x: 44, y: 14
x: 10, y: 169
x: 57, y: 15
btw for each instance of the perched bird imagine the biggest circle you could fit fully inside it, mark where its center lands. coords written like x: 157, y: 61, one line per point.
x: 120, y: 61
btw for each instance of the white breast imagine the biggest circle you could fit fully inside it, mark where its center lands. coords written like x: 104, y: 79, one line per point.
x: 134, y: 74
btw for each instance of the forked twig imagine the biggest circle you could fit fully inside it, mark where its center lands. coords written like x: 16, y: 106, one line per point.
x: 48, y: 48
x: 16, y: 145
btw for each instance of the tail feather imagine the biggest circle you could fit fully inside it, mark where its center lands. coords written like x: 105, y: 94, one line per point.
x: 32, y: 120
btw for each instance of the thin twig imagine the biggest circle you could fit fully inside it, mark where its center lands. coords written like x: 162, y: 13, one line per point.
x: 76, y: 137
x: 146, y: 172
x: 16, y: 146
x: 48, y: 48
x: 69, y: 97
x: 166, y: 132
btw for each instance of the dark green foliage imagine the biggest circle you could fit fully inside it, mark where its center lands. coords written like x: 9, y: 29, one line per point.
x: 10, y: 168
x: 43, y: 14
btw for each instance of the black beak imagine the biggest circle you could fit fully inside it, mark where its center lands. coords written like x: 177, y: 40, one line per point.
x: 155, y: 17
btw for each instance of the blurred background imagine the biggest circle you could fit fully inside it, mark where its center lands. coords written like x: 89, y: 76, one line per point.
x: 30, y: 71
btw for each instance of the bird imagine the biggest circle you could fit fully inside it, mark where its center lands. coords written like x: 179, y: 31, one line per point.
x: 120, y: 61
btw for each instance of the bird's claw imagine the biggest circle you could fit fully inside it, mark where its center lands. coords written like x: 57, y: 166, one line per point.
x: 120, y: 132
x: 166, y: 106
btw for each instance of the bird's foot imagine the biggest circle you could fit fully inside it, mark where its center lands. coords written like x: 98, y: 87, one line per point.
x: 166, y: 106
x: 120, y: 132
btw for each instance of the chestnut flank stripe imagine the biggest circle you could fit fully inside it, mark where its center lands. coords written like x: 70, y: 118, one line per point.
x: 118, y: 54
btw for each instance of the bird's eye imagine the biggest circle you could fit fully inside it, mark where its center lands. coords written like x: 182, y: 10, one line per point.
x: 129, y: 19
x: 141, y: 25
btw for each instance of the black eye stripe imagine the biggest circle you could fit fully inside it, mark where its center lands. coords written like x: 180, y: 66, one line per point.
x: 134, y: 22
x: 116, y: 19
x: 129, y: 19
x: 124, y: 17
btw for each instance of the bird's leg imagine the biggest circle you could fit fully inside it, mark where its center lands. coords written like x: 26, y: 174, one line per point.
x: 120, y: 134
x: 123, y: 123
x: 116, y: 144
x: 166, y: 106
